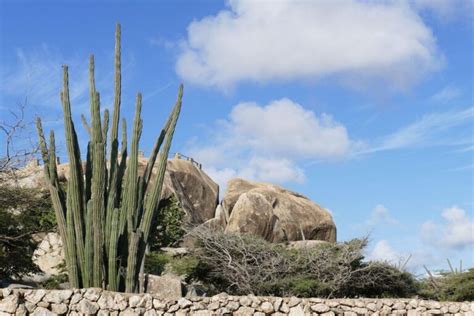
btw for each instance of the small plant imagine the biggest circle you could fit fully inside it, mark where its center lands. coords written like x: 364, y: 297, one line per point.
x: 105, y: 215
x: 23, y: 212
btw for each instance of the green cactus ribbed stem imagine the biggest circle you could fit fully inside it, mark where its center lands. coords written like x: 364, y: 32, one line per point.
x: 113, y: 232
x: 57, y: 196
x: 131, y: 275
x: 98, y: 190
x: 89, y: 252
x: 85, y: 124
x: 75, y: 183
x: 153, y: 200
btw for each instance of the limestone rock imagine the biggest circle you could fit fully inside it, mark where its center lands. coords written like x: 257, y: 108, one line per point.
x: 9, y: 304
x: 252, y: 214
x: 197, y: 193
x: 49, y: 254
x: 166, y: 286
x: 282, y: 215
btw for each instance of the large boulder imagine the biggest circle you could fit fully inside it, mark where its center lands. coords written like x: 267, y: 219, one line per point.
x: 196, y: 192
x: 274, y: 213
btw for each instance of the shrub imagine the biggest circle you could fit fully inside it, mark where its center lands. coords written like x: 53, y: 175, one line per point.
x: 242, y: 264
x: 452, y: 286
x: 23, y: 212
x: 168, y: 224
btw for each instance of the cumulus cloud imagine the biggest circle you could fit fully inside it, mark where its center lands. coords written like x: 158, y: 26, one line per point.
x: 381, y: 215
x: 381, y: 41
x: 455, y: 231
x: 267, y: 142
x: 382, y: 251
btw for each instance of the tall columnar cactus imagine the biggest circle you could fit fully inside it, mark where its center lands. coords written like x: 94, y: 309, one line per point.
x: 105, y: 215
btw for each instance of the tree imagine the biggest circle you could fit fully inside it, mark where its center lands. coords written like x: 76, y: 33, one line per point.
x: 19, y: 146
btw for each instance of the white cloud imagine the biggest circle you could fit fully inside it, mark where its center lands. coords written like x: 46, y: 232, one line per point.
x: 444, y: 9
x: 429, y: 130
x: 381, y: 215
x: 456, y: 231
x: 247, y: 143
x: 446, y: 94
x: 37, y: 75
x: 382, y: 251
x: 285, y: 40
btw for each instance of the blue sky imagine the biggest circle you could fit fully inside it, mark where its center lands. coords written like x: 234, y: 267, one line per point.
x: 366, y: 107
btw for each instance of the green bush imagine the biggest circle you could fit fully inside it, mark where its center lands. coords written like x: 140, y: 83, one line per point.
x: 23, y: 212
x: 186, y: 266
x: 55, y: 281
x: 155, y: 262
x: 242, y: 264
x: 452, y: 286
x: 168, y: 224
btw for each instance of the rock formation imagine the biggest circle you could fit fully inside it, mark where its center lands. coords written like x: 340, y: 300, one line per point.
x: 274, y: 213
x: 196, y: 192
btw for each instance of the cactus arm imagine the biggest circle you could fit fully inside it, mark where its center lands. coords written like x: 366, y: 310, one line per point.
x: 89, y: 253
x: 75, y: 183
x: 132, y: 168
x: 154, y: 198
x: 85, y: 124
x: 112, y: 257
x: 116, y: 110
x: 131, y: 275
x: 97, y: 189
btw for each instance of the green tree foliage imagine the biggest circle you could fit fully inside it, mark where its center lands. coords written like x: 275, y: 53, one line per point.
x: 168, y: 224
x: 23, y: 212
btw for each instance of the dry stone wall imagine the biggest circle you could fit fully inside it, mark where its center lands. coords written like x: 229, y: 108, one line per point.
x: 98, y: 302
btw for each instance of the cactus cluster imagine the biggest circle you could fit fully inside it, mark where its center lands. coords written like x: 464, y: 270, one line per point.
x: 105, y: 213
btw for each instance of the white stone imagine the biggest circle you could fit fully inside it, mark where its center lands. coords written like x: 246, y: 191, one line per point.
x: 41, y: 311
x: 87, y: 307
x: 59, y: 308
x: 57, y: 296
x: 320, y: 308
x: 92, y: 294
x: 35, y: 296
x: 9, y: 304
x: 267, y: 307
x: 293, y: 301
x: 296, y: 311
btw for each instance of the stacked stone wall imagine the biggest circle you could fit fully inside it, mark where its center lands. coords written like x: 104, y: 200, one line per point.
x: 98, y: 302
